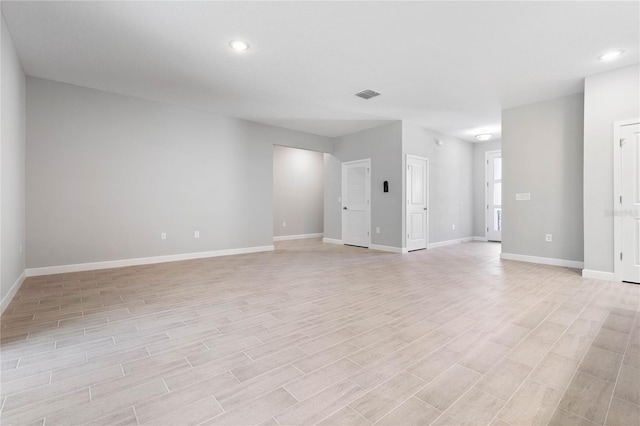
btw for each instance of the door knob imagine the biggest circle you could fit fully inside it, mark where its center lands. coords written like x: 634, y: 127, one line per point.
x: 344, y: 208
x: 424, y: 208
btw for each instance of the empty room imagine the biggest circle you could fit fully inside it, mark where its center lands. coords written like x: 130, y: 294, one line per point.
x: 320, y: 213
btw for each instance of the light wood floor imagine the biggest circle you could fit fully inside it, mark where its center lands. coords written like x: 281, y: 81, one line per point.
x: 318, y: 333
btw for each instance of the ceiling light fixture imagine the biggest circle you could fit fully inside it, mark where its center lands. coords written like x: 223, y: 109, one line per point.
x: 611, y: 55
x: 484, y: 137
x: 238, y: 45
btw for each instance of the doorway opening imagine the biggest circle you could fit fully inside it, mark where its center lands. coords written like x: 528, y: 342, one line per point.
x: 298, y: 193
x: 493, y: 195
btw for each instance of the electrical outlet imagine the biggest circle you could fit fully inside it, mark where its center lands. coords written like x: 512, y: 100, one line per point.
x: 196, y: 234
x: 548, y: 238
x: 163, y: 235
x: 284, y: 224
x: 377, y: 230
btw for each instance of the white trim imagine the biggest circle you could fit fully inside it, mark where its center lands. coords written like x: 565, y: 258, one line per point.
x: 12, y: 292
x: 331, y: 241
x: 449, y: 242
x: 617, y: 192
x: 388, y: 248
x: 480, y: 239
x: 298, y: 237
x: 598, y: 275
x: 47, y: 270
x: 543, y: 260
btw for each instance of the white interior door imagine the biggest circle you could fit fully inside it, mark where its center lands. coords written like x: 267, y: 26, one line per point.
x: 494, y: 195
x: 356, y: 203
x: 630, y: 203
x: 417, y: 203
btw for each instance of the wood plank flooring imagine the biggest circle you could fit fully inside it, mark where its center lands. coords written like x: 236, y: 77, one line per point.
x: 316, y: 333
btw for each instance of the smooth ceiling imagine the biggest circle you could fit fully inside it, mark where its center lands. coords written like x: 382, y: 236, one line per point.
x: 449, y: 66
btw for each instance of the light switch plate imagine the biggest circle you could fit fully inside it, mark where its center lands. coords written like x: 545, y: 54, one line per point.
x: 523, y: 196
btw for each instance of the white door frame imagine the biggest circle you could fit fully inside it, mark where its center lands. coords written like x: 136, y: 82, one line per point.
x: 406, y: 200
x: 486, y: 191
x: 617, y: 191
x: 368, y: 193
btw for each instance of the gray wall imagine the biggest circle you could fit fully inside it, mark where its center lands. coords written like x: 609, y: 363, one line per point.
x: 106, y: 174
x: 450, y: 181
x: 608, y: 97
x: 298, y: 194
x: 383, y: 145
x: 332, y: 197
x: 479, y: 203
x: 12, y: 146
x: 542, y: 147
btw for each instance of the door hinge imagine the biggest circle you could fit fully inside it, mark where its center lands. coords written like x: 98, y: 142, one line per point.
x: 620, y: 255
x: 487, y: 206
x: 621, y: 199
x: 622, y: 142
x: 367, y: 170
x: 367, y: 233
x: 408, y: 236
x: 487, y: 183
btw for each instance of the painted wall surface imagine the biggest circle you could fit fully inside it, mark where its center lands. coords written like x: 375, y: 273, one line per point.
x: 332, y: 197
x: 106, y: 174
x: 383, y: 145
x: 450, y: 181
x: 479, y: 178
x: 542, y: 148
x: 298, y: 191
x: 608, y: 97
x: 12, y: 179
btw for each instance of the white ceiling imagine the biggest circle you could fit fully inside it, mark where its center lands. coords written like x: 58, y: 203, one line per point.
x: 449, y: 66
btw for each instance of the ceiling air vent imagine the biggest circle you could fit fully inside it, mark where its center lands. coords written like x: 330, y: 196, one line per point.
x: 367, y: 94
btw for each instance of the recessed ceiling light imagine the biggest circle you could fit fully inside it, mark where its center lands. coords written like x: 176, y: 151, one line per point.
x: 611, y: 55
x: 238, y: 45
x: 484, y: 137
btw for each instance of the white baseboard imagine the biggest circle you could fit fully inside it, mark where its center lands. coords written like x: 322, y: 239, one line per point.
x: 387, y: 248
x: 480, y: 239
x: 12, y: 292
x: 297, y: 237
x: 48, y: 270
x: 598, y: 275
x: 449, y: 242
x: 543, y: 260
x: 331, y: 241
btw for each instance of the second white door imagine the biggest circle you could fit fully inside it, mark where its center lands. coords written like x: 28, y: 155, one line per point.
x: 417, y: 203
x: 630, y: 202
x: 356, y: 203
